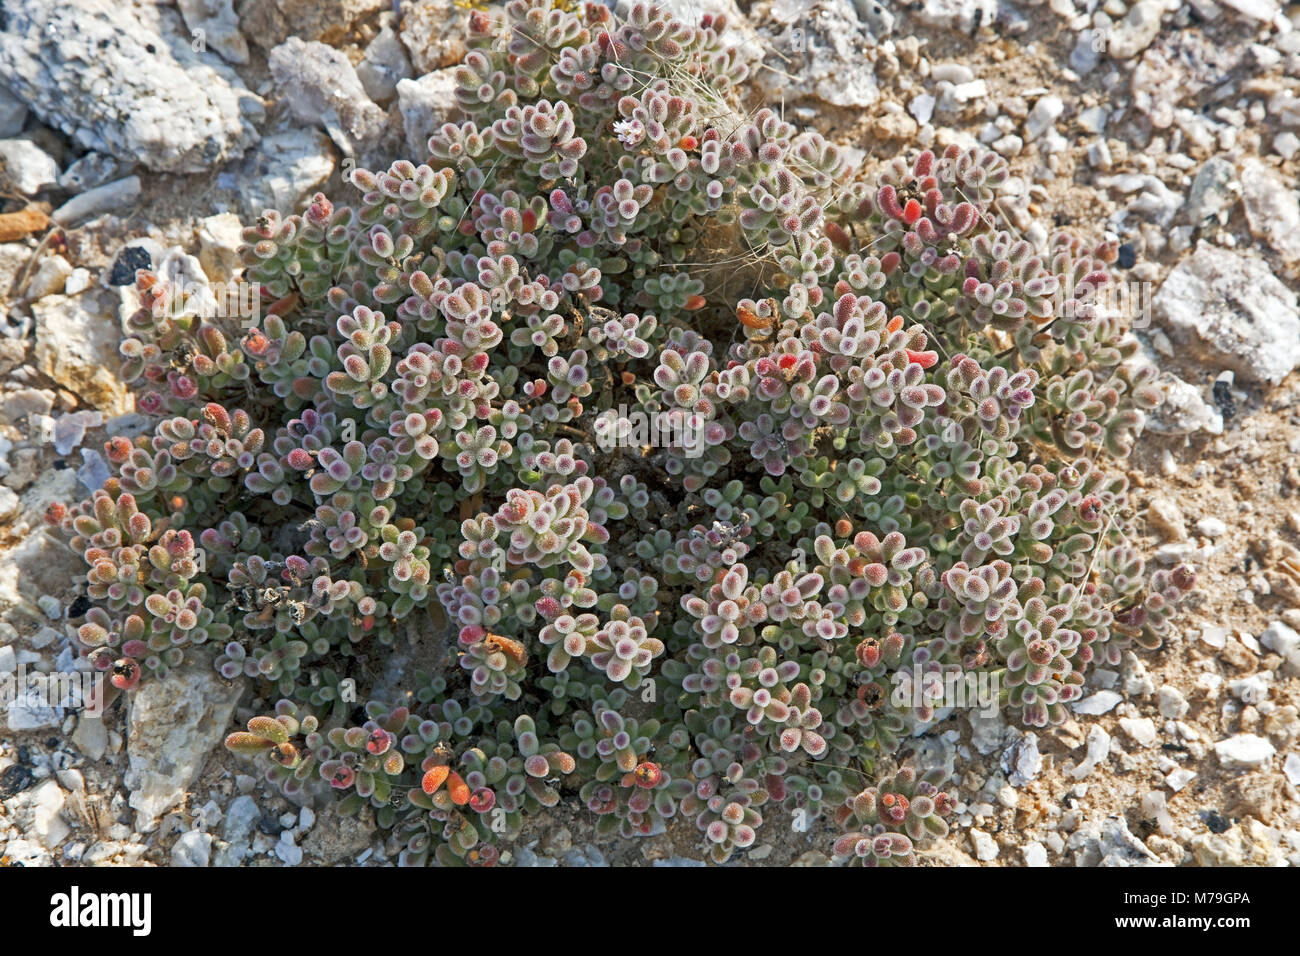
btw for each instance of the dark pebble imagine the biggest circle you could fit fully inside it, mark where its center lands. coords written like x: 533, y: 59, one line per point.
x: 270, y: 825
x: 130, y: 259
x: 1127, y: 257
x: 15, y: 779
x: 1217, y: 822
x: 1223, y: 398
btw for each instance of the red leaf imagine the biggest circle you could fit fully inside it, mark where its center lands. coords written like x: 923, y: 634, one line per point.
x: 434, y: 778
x: 456, y: 787
x: 923, y: 359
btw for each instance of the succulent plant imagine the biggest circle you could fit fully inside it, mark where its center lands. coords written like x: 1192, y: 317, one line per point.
x: 908, y: 461
x: 885, y: 822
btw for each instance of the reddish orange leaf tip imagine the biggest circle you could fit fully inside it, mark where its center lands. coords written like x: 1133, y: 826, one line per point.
x: 457, y: 788
x: 283, y: 306
x: 510, y: 648
x: 836, y: 234
x: 923, y: 359
x: 647, y: 774
x: 434, y: 779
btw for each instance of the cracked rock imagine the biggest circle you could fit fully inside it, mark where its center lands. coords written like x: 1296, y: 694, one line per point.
x: 193, y: 848
x: 383, y: 66
x: 432, y: 32
x: 76, y: 345
x: 829, y: 56
x: 269, y: 22
x: 175, y: 722
x: 1184, y: 410
x: 321, y: 87
x: 1272, y: 210
x: 28, y: 167
x: 1231, y: 308
x: 1110, y: 843
x: 1022, y: 761
x: 425, y: 104
x: 218, y: 25
x: 122, y: 79
x: 284, y: 171
x: 1244, y: 752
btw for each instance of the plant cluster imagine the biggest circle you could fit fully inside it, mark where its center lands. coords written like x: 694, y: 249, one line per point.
x: 908, y: 429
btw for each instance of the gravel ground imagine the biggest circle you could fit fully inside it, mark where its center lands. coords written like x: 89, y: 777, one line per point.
x: 1174, y: 125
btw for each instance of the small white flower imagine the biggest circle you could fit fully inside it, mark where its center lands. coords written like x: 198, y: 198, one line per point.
x: 629, y: 132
